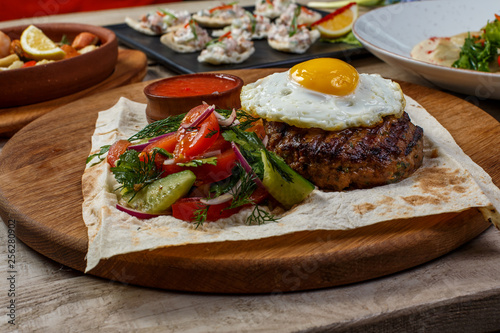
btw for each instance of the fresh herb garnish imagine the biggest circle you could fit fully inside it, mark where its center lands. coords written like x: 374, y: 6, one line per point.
x: 64, y: 40
x: 200, y: 215
x: 167, y: 13
x: 476, y: 54
x: 198, y: 162
x: 192, y: 25
x: 253, y: 21
x: 251, y: 147
x: 245, y: 119
x: 134, y: 174
x: 102, y: 151
x: 219, y: 40
x: 163, y: 152
x: 294, y: 26
x: 211, y: 133
x: 242, y: 193
x: 241, y: 185
x: 479, y: 51
x: 157, y: 128
x: 260, y: 216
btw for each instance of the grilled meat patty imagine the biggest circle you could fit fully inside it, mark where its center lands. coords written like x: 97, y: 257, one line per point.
x: 360, y: 157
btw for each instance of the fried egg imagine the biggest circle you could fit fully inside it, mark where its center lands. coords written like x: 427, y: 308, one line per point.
x: 323, y: 93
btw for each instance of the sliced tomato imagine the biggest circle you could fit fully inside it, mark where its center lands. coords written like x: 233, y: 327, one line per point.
x: 194, y: 141
x: 220, y: 144
x: 185, y: 208
x: 168, y: 143
x: 116, y: 150
x: 208, y: 173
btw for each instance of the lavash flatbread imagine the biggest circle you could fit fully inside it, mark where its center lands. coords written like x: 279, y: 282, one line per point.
x: 448, y: 181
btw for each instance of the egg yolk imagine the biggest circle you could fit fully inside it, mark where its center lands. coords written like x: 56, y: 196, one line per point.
x: 326, y: 75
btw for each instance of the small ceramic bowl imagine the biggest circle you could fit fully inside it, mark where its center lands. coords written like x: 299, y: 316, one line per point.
x: 63, y: 77
x: 179, y: 94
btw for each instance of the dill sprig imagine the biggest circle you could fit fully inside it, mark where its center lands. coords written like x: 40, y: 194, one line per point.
x: 242, y: 193
x: 159, y: 127
x: 134, y: 174
x: 200, y: 215
x: 99, y: 155
x: 260, y: 216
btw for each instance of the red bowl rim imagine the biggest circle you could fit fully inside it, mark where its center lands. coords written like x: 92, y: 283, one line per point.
x: 237, y: 79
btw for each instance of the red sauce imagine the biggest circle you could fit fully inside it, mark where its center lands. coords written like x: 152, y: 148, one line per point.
x: 193, y: 86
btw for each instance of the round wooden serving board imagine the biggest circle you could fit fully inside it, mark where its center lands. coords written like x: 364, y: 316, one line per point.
x: 40, y: 189
x: 130, y: 67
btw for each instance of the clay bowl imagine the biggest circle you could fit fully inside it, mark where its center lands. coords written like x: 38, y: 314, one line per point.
x: 63, y: 77
x: 161, y: 105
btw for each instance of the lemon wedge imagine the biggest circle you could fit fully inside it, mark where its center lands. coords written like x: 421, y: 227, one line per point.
x: 38, y: 46
x: 339, y: 22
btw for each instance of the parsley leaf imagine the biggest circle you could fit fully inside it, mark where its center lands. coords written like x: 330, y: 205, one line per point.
x: 476, y: 54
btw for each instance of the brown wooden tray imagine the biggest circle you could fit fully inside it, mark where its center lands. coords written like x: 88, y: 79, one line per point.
x: 40, y: 188
x: 130, y: 68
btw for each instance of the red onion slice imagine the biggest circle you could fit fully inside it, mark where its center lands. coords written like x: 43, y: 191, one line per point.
x: 218, y: 200
x: 139, y: 147
x: 136, y: 213
x: 225, y: 122
x: 202, y: 117
x: 245, y: 165
x: 211, y: 153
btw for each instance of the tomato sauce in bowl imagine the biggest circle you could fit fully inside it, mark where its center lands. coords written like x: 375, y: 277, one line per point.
x: 179, y: 94
x: 193, y: 86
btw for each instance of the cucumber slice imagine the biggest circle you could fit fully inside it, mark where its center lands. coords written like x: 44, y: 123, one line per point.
x: 160, y: 195
x: 287, y: 193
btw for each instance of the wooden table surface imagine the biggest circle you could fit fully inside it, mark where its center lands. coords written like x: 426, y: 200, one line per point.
x: 459, y: 292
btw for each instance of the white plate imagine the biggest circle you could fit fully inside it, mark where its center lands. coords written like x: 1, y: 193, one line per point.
x: 391, y: 32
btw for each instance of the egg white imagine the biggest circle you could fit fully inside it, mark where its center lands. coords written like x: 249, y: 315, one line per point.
x: 277, y: 98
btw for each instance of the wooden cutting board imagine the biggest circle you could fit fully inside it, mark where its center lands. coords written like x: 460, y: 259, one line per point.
x: 40, y: 189
x: 130, y: 68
